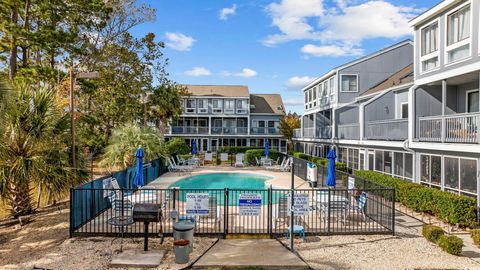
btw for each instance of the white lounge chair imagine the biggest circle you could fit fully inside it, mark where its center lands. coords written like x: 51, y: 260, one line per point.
x: 223, y: 157
x: 208, y: 157
x: 239, y: 160
x: 257, y: 161
x: 178, y: 168
x: 277, y: 167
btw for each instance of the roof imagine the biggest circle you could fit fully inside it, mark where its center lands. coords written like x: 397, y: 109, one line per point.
x: 359, y: 60
x: 217, y: 90
x: 266, y: 103
x: 435, y: 10
x: 403, y: 76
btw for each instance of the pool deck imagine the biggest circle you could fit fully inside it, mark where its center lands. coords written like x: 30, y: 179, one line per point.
x: 278, y: 179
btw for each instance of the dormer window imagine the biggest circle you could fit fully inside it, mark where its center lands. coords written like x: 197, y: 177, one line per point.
x: 217, y: 106
x: 202, y: 105
x: 349, y: 83
x: 190, y: 106
x: 241, y: 106
x: 229, y: 106
x: 458, y: 34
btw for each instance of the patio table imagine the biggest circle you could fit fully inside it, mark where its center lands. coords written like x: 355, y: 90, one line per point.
x: 120, y: 222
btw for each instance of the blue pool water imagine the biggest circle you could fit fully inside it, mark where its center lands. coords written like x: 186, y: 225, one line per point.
x: 215, y: 183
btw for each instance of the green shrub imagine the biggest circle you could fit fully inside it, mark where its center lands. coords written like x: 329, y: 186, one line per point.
x: 239, y: 149
x: 476, y: 236
x: 432, y: 233
x: 258, y: 153
x: 177, y: 146
x: 340, y: 166
x: 451, y: 244
x: 452, y: 208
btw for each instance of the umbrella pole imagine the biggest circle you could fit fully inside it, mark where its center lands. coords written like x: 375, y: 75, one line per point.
x: 292, y: 201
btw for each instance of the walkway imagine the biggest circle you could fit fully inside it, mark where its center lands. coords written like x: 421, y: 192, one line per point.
x: 251, y: 253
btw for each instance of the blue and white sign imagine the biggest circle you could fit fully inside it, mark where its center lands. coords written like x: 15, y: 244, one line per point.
x: 250, y: 204
x: 197, y: 203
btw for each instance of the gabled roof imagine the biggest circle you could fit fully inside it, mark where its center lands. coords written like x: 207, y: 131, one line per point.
x: 404, y: 76
x: 359, y: 60
x: 266, y: 103
x: 435, y: 10
x: 217, y: 90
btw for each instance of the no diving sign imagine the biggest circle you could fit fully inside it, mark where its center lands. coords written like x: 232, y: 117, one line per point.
x: 250, y: 204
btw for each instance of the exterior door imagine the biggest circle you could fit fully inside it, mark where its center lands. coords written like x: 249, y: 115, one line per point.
x: 213, y: 145
x: 472, y: 102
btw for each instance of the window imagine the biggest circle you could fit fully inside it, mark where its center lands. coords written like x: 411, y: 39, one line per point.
x: 362, y: 160
x: 398, y: 166
x: 458, y: 34
x: 241, y: 106
x: 472, y: 101
x: 229, y: 106
x: 430, y: 39
x: 387, y: 162
x: 408, y: 166
x: 202, y: 105
x: 314, y: 93
x: 404, y: 110
x: 371, y: 157
x: 425, y: 168
x: 325, y: 88
x: 378, y: 160
x: 436, y: 173
x: 332, y: 89
x: 451, y: 172
x: 431, y: 169
x: 191, y: 105
x: 217, y: 106
x: 468, y: 175
x: 349, y: 83
x: 306, y: 97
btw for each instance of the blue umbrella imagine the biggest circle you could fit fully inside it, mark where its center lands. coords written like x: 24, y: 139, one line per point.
x: 139, y: 180
x: 194, y: 147
x: 331, y: 168
x: 267, y: 146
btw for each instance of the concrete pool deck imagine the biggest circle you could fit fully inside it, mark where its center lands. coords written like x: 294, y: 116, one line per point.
x: 278, y: 179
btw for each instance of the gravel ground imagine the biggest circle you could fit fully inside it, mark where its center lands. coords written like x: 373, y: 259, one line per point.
x: 406, y: 250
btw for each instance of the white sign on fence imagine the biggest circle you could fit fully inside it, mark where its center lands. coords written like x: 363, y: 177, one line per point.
x: 351, y: 182
x: 197, y: 203
x: 250, y: 204
x: 300, y: 204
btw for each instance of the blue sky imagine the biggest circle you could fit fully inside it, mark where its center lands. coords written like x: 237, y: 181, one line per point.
x: 274, y: 46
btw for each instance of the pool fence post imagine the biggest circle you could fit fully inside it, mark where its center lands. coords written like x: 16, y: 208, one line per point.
x: 292, y: 202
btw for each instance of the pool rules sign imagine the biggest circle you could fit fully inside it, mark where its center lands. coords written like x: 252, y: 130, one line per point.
x: 249, y: 204
x: 197, y: 203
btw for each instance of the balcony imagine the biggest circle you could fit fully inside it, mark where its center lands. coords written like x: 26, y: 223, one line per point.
x: 390, y: 130
x: 230, y: 130
x: 456, y: 128
x: 189, y: 130
x: 324, y: 132
x: 264, y: 131
x: 297, y: 133
x: 349, y: 131
x: 309, y: 132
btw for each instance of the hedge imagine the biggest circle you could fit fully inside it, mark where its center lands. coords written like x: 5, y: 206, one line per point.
x: 239, y: 149
x: 452, y: 208
x: 258, y: 153
x: 432, y: 233
x: 475, y: 234
x: 451, y: 244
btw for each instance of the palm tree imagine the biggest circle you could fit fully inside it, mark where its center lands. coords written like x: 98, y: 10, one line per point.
x: 33, y: 146
x: 124, y: 142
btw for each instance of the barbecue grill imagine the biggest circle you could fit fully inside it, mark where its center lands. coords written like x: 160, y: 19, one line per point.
x: 146, y: 213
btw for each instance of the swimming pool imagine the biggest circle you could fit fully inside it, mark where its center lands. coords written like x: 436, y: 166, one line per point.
x: 214, y: 183
x: 223, y: 180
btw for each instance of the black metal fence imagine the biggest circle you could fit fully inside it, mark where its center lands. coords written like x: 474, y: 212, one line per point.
x: 330, y: 211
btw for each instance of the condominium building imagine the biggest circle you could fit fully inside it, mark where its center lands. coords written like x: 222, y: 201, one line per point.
x: 217, y: 116
x: 410, y: 110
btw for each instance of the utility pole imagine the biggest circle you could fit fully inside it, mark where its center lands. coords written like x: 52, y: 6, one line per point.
x: 72, y: 124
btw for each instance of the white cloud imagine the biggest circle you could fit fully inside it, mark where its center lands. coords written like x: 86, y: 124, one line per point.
x: 246, y: 73
x: 226, y: 12
x: 330, y: 50
x: 179, y: 41
x: 198, y: 72
x: 339, y: 27
x: 293, y: 102
x: 298, y: 82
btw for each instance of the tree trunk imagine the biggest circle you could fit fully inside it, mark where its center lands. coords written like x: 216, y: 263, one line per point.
x: 39, y: 195
x: 20, y: 199
x: 13, y: 47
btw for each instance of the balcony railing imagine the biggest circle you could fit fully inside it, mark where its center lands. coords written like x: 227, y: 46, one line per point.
x: 264, y: 130
x: 324, y: 132
x: 349, y: 131
x: 230, y: 130
x: 393, y: 130
x: 297, y: 133
x: 189, y: 130
x: 309, y: 132
x: 457, y: 128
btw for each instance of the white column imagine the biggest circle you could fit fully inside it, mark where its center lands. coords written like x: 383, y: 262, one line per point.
x: 209, y: 125
x: 315, y: 125
x: 444, y: 107
x: 361, y: 121
x: 334, y: 124
x: 411, y: 113
x: 248, y: 125
x: 301, y: 126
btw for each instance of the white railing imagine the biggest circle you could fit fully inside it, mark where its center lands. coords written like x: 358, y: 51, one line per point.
x: 349, y: 131
x: 457, y: 128
x: 297, y: 133
x: 189, y: 130
x: 325, y: 132
x: 393, y: 129
x: 309, y: 132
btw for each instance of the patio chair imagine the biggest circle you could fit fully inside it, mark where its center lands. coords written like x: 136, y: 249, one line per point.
x: 359, y: 207
x: 116, y: 186
x: 239, y: 160
x: 288, y: 165
x: 257, y: 161
x: 277, y: 167
x: 178, y: 168
x: 281, y: 213
x: 223, y: 157
x: 121, y: 217
x: 336, y: 208
x: 214, y: 212
x: 208, y: 157
x: 277, y: 162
